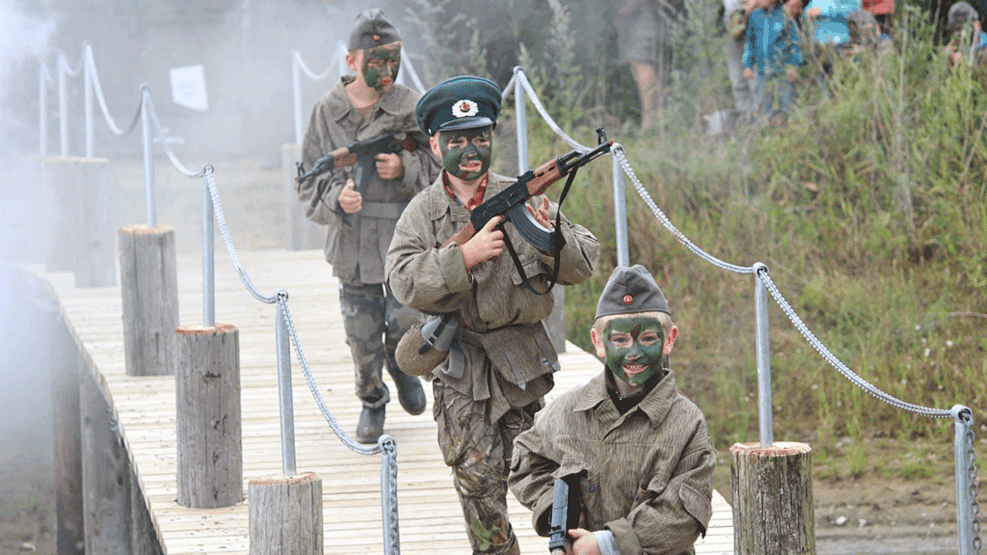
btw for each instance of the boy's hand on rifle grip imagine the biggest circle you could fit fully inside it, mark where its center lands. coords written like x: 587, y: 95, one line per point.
x: 486, y: 244
x: 389, y: 166
x: 349, y: 200
x: 541, y: 215
x: 584, y: 542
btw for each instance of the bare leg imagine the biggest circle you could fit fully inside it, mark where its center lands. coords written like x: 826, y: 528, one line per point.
x: 649, y: 89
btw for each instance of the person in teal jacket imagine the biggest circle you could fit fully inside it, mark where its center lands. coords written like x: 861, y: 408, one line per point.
x: 829, y: 20
x: 773, y: 46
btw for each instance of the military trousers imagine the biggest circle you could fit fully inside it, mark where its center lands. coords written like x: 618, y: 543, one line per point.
x: 479, y: 453
x: 374, y: 322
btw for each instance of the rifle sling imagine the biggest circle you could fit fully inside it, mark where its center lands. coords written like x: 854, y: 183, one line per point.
x: 559, y: 243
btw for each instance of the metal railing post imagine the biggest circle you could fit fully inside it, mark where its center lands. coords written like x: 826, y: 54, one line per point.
x: 43, y: 77
x: 284, y: 388
x: 63, y: 108
x: 763, y: 346
x: 87, y: 79
x: 208, y: 257
x: 296, y: 86
x: 152, y: 218
x: 520, y: 107
x: 620, y: 210
x: 963, y: 419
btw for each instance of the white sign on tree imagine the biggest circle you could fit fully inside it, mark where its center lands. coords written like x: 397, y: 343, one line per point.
x: 188, y: 87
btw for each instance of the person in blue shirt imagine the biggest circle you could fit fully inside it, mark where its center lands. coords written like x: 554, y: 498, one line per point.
x: 829, y: 20
x: 827, y: 23
x: 773, y: 46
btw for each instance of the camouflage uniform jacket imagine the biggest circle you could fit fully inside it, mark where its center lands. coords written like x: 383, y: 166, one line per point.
x: 434, y: 280
x: 357, y: 244
x: 647, y: 475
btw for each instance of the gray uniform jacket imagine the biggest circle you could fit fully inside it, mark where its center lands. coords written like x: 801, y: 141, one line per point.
x: 647, y: 474
x: 357, y: 244
x: 434, y: 280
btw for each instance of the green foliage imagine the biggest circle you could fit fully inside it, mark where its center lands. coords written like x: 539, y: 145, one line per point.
x: 869, y: 209
x: 869, y: 206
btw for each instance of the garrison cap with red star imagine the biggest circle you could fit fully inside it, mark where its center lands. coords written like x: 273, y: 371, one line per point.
x: 462, y: 102
x: 371, y: 29
x: 631, y: 290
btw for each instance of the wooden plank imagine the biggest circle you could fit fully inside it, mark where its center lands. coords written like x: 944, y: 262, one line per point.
x: 429, y: 513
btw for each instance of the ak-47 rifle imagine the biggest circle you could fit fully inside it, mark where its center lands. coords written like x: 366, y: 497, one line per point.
x: 565, y: 514
x: 362, y: 153
x: 510, y: 202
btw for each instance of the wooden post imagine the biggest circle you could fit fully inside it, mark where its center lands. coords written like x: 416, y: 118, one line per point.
x: 94, y: 262
x: 286, y: 515
x: 149, y: 288
x: 105, y: 474
x: 303, y: 234
x: 61, y: 177
x: 67, y: 447
x: 772, y: 499
x: 207, y: 391
x: 555, y: 323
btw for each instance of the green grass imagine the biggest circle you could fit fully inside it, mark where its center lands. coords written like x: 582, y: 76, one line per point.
x: 870, y: 209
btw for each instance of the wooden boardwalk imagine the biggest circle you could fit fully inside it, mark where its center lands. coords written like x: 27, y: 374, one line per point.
x: 430, y: 518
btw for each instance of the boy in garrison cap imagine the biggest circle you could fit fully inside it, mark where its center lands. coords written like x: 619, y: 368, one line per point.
x: 640, y: 451
x: 489, y: 387
x: 361, y: 222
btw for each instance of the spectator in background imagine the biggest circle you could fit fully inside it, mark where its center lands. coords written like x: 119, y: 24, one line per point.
x: 773, y: 46
x: 967, y: 44
x: 882, y: 10
x: 644, y: 43
x: 735, y: 13
x: 865, y: 35
x: 826, y: 21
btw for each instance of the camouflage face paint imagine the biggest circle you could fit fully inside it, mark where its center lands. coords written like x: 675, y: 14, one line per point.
x: 634, y: 347
x: 380, y: 67
x: 466, y: 153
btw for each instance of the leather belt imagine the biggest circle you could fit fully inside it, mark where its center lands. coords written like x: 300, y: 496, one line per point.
x: 382, y: 210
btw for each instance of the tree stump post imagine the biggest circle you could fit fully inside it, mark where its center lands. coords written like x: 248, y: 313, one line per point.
x: 207, y: 390
x: 303, y: 234
x: 61, y: 177
x: 149, y: 290
x: 286, y: 515
x: 772, y: 499
x: 67, y: 446
x: 94, y: 262
x: 555, y: 323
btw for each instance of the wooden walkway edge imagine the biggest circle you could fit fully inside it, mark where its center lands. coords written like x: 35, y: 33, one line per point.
x: 429, y: 514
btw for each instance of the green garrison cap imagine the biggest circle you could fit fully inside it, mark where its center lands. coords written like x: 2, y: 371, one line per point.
x: 463, y: 102
x: 372, y: 29
x: 961, y: 13
x: 631, y: 290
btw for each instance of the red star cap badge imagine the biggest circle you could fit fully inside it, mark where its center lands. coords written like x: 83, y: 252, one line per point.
x: 628, y: 299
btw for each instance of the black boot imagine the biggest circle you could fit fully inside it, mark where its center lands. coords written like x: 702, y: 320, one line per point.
x: 410, y: 392
x: 371, y: 424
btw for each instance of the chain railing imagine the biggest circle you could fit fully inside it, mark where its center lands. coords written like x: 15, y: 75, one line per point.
x: 966, y: 472
x: 968, y: 521
x: 285, y: 332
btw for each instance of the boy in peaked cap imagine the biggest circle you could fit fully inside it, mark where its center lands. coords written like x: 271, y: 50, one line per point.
x: 639, y: 450
x: 361, y: 223
x: 489, y: 387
